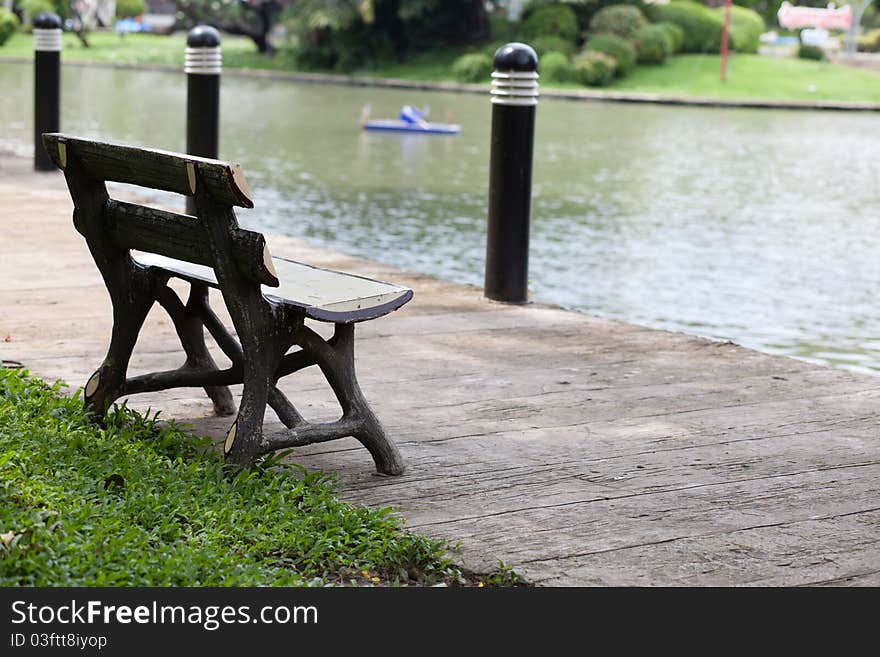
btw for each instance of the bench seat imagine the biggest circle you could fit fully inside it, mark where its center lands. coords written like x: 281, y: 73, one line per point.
x: 324, y: 295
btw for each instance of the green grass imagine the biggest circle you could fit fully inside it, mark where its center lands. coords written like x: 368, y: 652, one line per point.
x: 754, y: 76
x: 751, y: 76
x: 143, y: 503
x: 146, y: 49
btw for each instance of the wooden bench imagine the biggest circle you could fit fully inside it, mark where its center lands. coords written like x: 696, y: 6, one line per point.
x: 268, y: 298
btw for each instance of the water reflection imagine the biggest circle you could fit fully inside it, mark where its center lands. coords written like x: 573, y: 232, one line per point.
x: 751, y: 225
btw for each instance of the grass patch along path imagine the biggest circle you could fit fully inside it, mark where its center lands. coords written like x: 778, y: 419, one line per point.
x: 146, y: 504
x: 752, y: 77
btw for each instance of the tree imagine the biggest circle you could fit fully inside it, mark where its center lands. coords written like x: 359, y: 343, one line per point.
x: 347, y: 33
x: 859, y: 7
x: 251, y: 18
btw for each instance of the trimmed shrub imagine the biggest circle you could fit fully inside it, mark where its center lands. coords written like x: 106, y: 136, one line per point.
x: 811, y: 52
x: 33, y: 8
x: 8, y: 25
x: 476, y: 67
x: 129, y: 8
x: 623, y: 52
x: 552, y: 19
x: 594, y: 69
x: 555, y: 67
x: 546, y: 44
x: 746, y: 26
x: 622, y: 20
x: 869, y: 42
x: 653, y: 44
x: 675, y: 33
x: 701, y: 26
x: 585, y: 10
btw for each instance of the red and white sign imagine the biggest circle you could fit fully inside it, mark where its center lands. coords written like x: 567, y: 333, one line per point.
x: 832, y: 18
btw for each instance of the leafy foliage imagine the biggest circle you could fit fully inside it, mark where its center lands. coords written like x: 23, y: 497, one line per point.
x: 622, y: 20
x: 585, y: 10
x: 623, y: 52
x: 556, y: 67
x: 349, y: 34
x: 701, y: 25
x: 811, y: 52
x: 129, y: 8
x: 594, y: 69
x: 476, y: 67
x: 251, y: 19
x: 869, y: 42
x: 550, y: 43
x: 8, y: 25
x: 554, y: 19
x: 653, y: 44
x: 746, y: 26
x: 35, y: 7
x: 141, y: 503
x: 675, y: 34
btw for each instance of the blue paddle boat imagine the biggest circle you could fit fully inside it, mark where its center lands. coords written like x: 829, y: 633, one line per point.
x: 410, y: 119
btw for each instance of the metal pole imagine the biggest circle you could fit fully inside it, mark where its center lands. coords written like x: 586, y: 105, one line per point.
x: 514, y: 99
x: 725, y: 38
x: 47, y: 84
x: 203, y: 65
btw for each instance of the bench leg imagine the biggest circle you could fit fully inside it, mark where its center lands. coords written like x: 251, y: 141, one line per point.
x: 191, y: 331
x: 336, y: 360
x: 260, y: 354
x: 107, y: 384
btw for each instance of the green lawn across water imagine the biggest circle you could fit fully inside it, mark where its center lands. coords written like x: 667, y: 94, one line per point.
x: 754, y: 77
x: 751, y: 76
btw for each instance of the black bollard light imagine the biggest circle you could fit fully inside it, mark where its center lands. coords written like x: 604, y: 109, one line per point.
x: 514, y: 99
x: 203, y: 65
x: 47, y: 84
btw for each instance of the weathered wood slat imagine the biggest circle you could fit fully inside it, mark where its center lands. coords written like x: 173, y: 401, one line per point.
x: 156, y: 169
x: 323, y: 295
x: 182, y: 237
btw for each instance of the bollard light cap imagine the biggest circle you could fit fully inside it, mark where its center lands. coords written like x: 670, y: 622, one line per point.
x: 47, y: 21
x: 203, y: 36
x: 515, y: 57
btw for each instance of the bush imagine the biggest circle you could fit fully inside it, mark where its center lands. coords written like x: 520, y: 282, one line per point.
x: 555, y: 67
x: 129, y: 8
x: 622, y: 20
x: 811, y: 52
x: 594, y: 69
x: 746, y: 26
x: 8, y: 25
x: 623, y: 52
x: 653, y: 44
x: 476, y: 67
x: 552, y: 19
x: 546, y: 44
x: 701, y: 25
x: 33, y: 8
x: 675, y: 34
x: 869, y: 42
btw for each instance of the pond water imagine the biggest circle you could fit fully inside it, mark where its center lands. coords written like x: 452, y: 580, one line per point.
x: 756, y: 226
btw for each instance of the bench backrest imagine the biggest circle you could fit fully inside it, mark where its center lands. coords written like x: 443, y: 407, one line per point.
x: 216, y: 186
